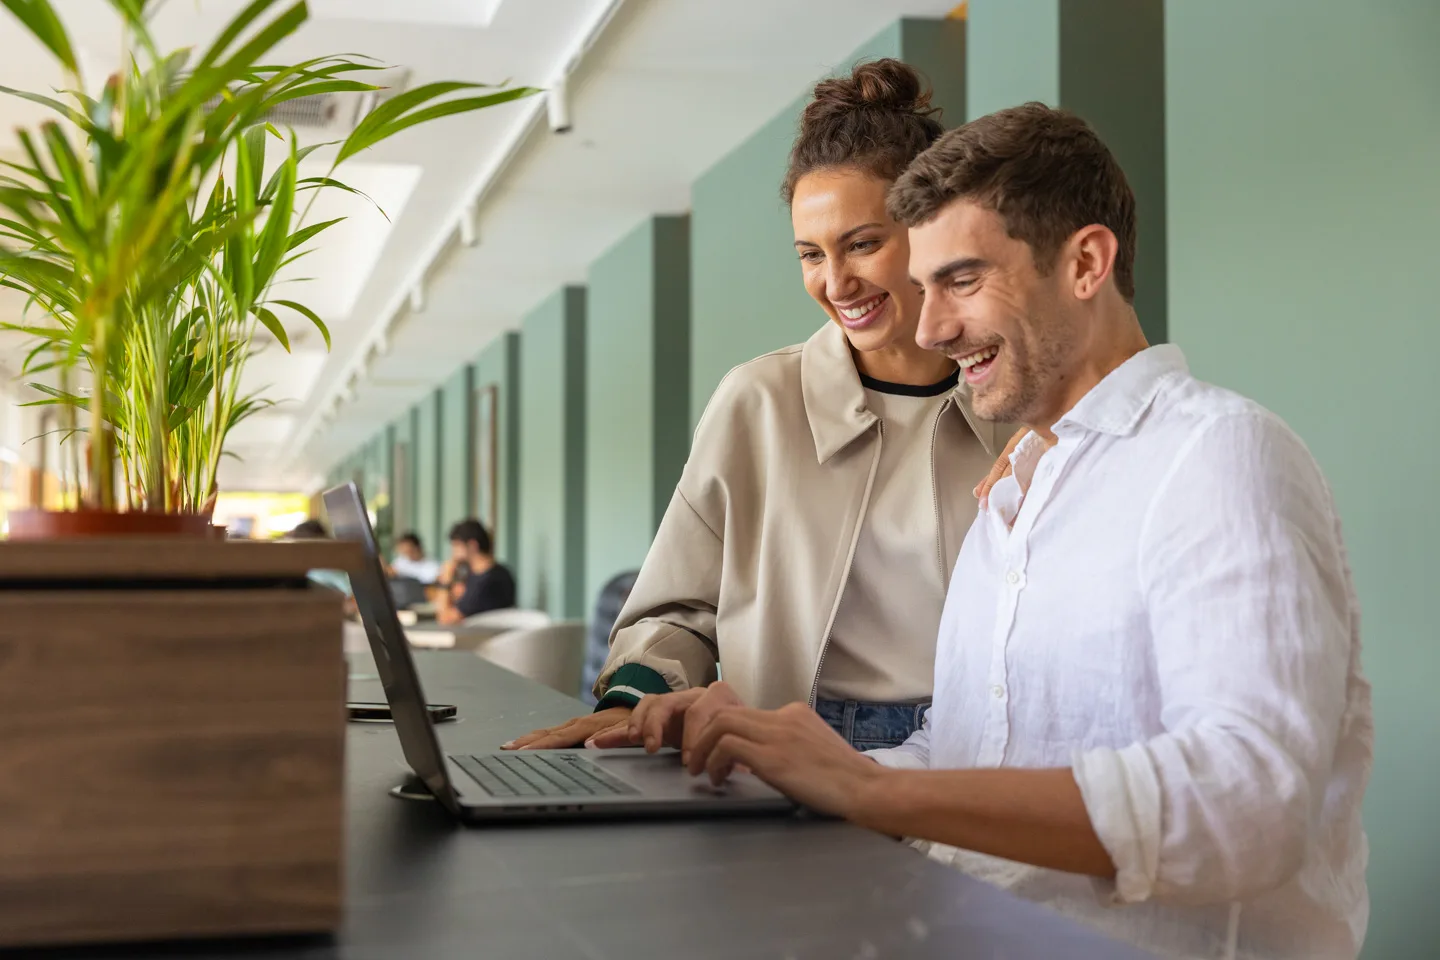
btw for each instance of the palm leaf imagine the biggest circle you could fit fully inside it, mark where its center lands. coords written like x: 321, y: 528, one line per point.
x: 40, y: 19
x: 308, y: 314
x: 395, y: 114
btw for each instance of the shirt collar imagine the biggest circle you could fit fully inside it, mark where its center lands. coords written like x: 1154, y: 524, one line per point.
x: 1116, y: 404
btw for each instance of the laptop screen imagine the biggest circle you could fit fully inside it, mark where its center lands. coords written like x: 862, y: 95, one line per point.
x: 391, y: 650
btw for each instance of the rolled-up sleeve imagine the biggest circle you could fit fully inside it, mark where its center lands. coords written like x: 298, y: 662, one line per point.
x: 1246, y: 582
x: 913, y: 754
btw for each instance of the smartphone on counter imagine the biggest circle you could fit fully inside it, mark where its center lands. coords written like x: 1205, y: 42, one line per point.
x: 380, y: 712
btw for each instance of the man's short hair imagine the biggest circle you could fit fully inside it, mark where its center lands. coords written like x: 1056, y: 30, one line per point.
x: 309, y: 530
x: 1044, y: 171
x: 410, y: 536
x: 472, y: 531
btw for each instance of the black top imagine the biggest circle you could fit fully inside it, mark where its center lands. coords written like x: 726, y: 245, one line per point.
x: 492, y: 590
x: 910, y: 389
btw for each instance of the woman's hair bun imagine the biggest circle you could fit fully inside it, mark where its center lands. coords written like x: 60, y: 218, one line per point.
x: 877, y: 119
x: 888, y: 84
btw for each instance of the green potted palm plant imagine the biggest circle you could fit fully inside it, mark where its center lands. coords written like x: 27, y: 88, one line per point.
x: 181, y: 699
x: 145, y: 232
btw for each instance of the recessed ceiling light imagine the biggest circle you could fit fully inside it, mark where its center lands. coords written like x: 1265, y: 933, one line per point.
x: 450, y: 13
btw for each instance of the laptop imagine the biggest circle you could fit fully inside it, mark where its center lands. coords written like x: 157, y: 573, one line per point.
x: 522, y: 785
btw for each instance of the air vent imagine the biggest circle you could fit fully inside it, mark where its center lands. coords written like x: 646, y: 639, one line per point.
x: 324, y: 110
x: 335, y: 114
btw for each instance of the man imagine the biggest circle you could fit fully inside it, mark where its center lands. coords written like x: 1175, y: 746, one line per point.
x: 410, y: 560
x: 337, y: 580
x: 1149, y: 711
x: 487, y: 585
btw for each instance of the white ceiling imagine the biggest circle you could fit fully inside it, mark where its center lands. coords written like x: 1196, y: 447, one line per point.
x: 669, y: 88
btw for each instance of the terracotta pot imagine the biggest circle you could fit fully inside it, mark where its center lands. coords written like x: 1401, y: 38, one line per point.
x: 59, y: 524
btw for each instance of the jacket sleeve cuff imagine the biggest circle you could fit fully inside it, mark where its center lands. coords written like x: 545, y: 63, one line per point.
x: 1122, y: 798
x: 629, y: 684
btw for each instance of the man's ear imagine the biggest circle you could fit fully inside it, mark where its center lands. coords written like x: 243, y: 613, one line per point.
x: 1092, y: 250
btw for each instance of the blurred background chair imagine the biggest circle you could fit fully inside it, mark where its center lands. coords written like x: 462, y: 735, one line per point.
x: 553, y: 654
x: 503, y: 621
x: 607, y: 610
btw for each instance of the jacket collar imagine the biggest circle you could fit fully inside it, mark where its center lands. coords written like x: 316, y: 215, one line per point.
x: 1116, y: 404
x: 835, y: 402
x: 834, y: 399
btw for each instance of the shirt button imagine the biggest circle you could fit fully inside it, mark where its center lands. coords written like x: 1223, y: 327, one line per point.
x: 1012, y: 578
x: 999, y: 692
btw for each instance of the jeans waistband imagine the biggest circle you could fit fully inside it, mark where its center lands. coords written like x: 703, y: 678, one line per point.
x: 863, y: 710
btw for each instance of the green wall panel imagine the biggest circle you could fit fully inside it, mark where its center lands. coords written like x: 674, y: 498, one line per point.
x: 498, y: 366
x: 1303, y: 143
x: 427, y: 521
x: 746, y: 296
x: 551, y: 558
x: 1013, y: 55
x: 457, y: 450
x: 402, y: 476
x: 637, y: 419
x: 670, y: 430
x: 1105, y: 60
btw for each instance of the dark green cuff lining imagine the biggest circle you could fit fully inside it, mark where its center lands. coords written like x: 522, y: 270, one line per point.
x: 629, y: 684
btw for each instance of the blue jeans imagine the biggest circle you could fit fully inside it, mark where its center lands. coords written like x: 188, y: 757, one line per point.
x: 870, y: 726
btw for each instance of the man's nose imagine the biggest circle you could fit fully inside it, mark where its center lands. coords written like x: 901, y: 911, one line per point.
x: 936, y: 328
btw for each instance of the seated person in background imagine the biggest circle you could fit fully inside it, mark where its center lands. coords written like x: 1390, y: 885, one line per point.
x: 313, y: 529
x: 450, y: 582
x: 410, y: 560
x: 488, y: 585
x: 1149, y: 710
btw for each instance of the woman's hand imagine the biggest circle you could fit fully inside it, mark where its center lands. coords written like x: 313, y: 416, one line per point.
x: 671, y: 719
x: 1001, y: 470
x: 573, y: 733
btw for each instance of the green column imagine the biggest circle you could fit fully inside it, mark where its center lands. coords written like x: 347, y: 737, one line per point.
x: 1304, y: 200
x: 457, y: 449
x: 427, y: 470
x: 402, y: 476
x: 747, y: 297
x: 497, y: 383
x: 637, y: 377
x: 1105, y: 60
x: 551, y: 561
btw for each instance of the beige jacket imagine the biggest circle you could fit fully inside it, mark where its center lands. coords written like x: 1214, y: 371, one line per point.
x: 754, y: 551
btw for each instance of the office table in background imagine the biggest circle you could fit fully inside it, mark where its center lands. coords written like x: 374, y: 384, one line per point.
x: 419, y: 886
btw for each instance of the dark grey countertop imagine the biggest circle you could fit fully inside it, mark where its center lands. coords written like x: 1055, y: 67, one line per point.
x: 419, y: 886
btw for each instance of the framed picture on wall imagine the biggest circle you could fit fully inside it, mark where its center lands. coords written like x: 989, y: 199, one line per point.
x: 487, y: 468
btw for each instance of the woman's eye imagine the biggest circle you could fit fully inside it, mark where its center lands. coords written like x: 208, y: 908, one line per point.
x: 811, y: 256
x: 866, y: 245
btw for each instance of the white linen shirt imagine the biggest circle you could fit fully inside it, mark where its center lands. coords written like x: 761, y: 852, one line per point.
x: 1172, y: 616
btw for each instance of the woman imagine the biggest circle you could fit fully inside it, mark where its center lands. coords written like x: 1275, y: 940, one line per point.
x: 810, y: 540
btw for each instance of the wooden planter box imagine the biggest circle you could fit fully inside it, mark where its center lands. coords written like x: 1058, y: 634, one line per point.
x: 172, y: 732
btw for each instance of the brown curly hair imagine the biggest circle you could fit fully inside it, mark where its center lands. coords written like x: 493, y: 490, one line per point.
x: 877, y: 119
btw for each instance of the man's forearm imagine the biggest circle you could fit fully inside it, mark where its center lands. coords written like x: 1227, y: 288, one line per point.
x: 1030, y: 816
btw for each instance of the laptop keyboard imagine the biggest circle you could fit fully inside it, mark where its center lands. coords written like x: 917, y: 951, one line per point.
x: 541, y: 775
